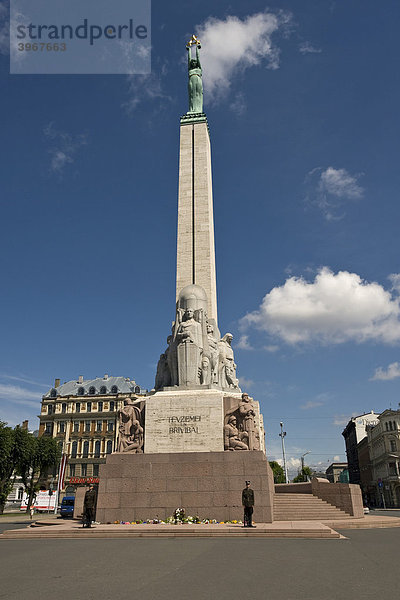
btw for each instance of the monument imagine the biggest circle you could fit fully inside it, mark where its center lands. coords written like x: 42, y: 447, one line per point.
x: 196, y: 438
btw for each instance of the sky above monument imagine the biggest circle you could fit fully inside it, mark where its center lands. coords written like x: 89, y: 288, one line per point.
x: 302, y: 101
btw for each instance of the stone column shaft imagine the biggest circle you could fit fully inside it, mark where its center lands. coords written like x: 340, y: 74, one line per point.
x: 195, y: 246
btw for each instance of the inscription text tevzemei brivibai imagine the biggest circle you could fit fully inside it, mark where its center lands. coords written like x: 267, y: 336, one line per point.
x: 182, y: 424
x: 83, y: 37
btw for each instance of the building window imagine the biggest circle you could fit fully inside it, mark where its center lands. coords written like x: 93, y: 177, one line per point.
x: 50, y: 409
x: 109, y: 446
x: 95, y: 470
x: 112, y: 405
x: 20, y: 493
x: 78, y: 407
x: 137, y: 390
x: 61, y: 427
x: 103, y: 389
x: 81, y: 391
x: 92, y: 390
x: 76, y: 427
x: 85, y: 449
x: 110, y: 426
x: 87, y: 426
x: 72, y: 470
x: 53, y: 393
x: 393, y: 446
x: 97, y: 449
x: 48, y: 428
x: 64, y: 407
x: 100, y: 407
x: 88, y: 407
x: 114, y: 389
x: 387, y: 426
x: 74, y: 449
x: 99, y: 426
x: 83, y: 470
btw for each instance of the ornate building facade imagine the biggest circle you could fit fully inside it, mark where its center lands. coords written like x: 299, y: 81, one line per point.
x: 82, y: 416
x: 384, y: 452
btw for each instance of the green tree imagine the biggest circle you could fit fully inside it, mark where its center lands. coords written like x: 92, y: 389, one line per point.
x: 279, y: 474
x: 7, y: 461
x: 37, y: 456
x: 304, y: 475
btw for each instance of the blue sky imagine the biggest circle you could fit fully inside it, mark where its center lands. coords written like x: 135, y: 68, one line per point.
x: 302, y: 100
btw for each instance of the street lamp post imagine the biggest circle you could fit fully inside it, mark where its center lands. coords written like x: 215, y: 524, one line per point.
x: 282, y: 435
x: 302, y: 461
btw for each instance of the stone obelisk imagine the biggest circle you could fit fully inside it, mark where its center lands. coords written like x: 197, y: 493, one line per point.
x: 195, y: 246
x: 195, y: 438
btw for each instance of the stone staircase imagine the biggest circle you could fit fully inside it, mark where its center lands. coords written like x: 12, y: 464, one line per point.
x: 305, y: 507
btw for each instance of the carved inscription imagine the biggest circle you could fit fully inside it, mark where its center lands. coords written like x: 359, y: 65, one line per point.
x: 183, y: 424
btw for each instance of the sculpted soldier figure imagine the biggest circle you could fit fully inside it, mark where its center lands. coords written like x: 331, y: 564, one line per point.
x: 189, y: 331
x: 247, y: 412
x: 213, y: 349
x: 233, y: 438
x: 128, y: 430
x: 227, y: 366
x: 133, y: 443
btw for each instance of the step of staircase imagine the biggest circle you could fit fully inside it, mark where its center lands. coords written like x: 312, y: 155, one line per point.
x: 305, y: 507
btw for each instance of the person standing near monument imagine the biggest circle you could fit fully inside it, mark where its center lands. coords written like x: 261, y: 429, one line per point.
x: 248, y: 504
x: 89, y: 505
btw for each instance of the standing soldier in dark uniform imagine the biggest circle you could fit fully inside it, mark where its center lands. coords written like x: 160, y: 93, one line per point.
x: 89, y: 506
x: 248, y: 503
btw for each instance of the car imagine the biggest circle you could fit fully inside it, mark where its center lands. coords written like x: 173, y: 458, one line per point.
x: 67, y: 507
x: 366, y: 510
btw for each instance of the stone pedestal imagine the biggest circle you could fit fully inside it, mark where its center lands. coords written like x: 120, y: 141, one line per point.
x: 207, y: 484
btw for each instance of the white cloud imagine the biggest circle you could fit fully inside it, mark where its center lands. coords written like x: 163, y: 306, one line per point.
x: 271, y: 348
x: 244, y: 343
x: 245, y: 383
x: 145, y: 88
x: 238, y: 105
x: 15, y: 393
x: 330, y: 188
x: 23, y: 379
x: 231, y: 45
x: 311, y: 404
x: 395, y: 281
x: 333, y: 309
x: 391, y: 372
x: 308, y: 48
x: 342, y: 420
x: 63, y: 147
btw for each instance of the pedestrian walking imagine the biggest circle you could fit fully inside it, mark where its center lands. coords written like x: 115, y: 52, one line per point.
x: 248, y: 504
x: 89, y: 506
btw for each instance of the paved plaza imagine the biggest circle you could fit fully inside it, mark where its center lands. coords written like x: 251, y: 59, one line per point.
x: 363, y: 565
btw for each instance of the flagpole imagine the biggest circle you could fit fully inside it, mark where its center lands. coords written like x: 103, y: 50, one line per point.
x: 60, y: 483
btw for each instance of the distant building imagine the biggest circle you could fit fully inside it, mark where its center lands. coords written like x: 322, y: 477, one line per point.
x: 82, y: 416
x: 337, y: 472
x: 353, y: 433
x: 367, y: 484
x: 384, y: 452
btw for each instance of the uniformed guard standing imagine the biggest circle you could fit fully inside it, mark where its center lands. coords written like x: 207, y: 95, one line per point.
x: 89, y: 506
x: 248, y: 503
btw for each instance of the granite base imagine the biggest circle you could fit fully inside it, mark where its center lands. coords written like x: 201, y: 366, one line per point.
x: 207, y: 484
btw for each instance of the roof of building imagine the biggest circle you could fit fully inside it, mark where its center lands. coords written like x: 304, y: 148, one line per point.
x: 123, y: 385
